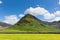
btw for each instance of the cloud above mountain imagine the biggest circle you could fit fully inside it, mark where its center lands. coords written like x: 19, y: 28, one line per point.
x: 38, y: 11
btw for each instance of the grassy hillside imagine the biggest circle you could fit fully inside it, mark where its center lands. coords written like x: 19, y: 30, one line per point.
x: 31, y: 23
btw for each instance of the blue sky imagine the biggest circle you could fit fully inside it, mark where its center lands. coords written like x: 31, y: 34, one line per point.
x: 17, y: 8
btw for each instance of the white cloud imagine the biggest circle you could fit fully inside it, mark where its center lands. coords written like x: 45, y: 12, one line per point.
x: 40, y: 11
x: 1, y: 2
x: 57, y: 13
x: 21, y: 15
x: 49, y: 16
x: 55, y: 19
x: 59, y: 1
x: 36, y: 11
x: 12, y: 19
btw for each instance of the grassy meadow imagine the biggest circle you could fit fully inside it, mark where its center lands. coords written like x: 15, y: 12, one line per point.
x: 29, y: 36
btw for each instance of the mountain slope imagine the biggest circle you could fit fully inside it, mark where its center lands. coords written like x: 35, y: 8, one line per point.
x: 31, y: 23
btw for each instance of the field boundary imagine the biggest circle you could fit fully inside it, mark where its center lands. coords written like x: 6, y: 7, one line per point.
x: 29, y: 32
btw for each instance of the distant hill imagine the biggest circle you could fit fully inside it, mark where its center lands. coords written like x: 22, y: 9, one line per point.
x: 4, y: 25
x: 31, y: 23
x: 55, y: 24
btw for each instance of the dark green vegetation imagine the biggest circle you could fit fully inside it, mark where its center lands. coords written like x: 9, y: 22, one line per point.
x: 31, y: 23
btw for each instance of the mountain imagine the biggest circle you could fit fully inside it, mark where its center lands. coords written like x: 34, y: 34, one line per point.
x: 31, y: 23
x: 4, y: 25
x: 55, y: 24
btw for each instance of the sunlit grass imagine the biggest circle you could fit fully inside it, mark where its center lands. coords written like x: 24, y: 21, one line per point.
x: 29, y: 36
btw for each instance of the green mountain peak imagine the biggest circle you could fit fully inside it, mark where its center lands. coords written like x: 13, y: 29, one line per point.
x: 31, y: 23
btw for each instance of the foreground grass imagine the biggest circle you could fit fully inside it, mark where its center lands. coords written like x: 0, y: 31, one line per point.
x: 29, y: 36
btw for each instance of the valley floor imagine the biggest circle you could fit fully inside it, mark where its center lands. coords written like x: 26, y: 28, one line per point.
x: 29, y: 36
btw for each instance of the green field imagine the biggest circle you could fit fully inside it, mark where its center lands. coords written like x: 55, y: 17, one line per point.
x: 29, y: 36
